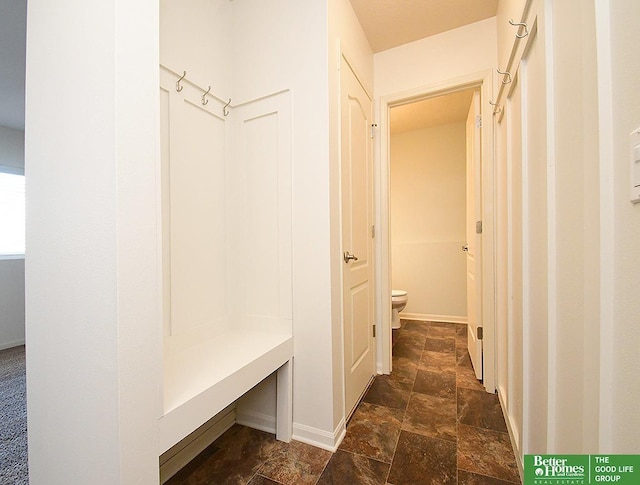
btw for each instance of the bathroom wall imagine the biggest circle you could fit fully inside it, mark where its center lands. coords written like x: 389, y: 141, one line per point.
x: 428, y: 207
x: 11, y: 270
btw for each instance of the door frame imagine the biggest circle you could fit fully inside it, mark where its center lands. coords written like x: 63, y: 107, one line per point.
x: 382, y: 167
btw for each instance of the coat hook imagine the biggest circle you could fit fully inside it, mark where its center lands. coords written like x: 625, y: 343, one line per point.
x: 205, y: 101
x: 506, y: 73
x: 178, y: 87
x: 225, y: 110
x: 520, y: 24
x: 495, y: 105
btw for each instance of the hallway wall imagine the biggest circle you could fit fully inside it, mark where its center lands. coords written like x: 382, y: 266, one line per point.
x: 428, y: 214
x: 11, y: 270
x: 624, y: 337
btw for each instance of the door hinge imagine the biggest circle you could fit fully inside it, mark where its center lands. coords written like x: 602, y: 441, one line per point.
x: 478, y: 227
x: 373, y: 129
x: 373, y: 231
x: 479, y: 121
x: 479, y: 333
x: 374, y: 331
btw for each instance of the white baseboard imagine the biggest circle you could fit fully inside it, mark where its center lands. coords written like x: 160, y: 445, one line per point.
x: 13, y: 343
x: 513, y: 437
x: 427, y: 317
x: 319, y: 438
x: 260, y: 421
x: 178, y: 456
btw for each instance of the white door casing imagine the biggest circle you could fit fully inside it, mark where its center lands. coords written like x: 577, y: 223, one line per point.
x: 473, y: 247
x: 357, y: 242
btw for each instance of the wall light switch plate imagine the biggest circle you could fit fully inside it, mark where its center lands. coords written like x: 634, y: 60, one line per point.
x: 634, y: 143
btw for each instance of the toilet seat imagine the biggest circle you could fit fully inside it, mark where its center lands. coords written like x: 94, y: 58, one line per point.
x: 397, y: 293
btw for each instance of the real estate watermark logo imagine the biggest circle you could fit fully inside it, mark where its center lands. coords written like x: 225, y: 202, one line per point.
x: 581, y: 469
x: 556, y: 469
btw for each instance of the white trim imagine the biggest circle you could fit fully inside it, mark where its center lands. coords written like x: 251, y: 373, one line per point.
x: 607, y: 213
x: 11, y: 344
x: 552, y: 221
x: 256, y: 420
x: 318, y: 437
x: 484, y: 80
x: 176, y: 458
x: 429, y: 317
x: 513, y: 436
x: 4, y: 257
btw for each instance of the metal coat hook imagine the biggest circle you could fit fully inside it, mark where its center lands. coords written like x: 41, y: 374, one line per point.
x: 506, y: 73
x: 178, y: 87
x: 495, y: 105
x: 205, y: 101
x: 520, y: 24
x: 225, y: 108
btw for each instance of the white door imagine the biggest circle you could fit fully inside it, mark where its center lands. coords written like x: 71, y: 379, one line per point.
x: 474, y: 237
x: 357, y: 242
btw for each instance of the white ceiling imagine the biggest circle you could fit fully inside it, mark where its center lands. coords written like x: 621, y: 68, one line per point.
x: 13, y: 34
x: 390, y: 23
x: 441, y: 110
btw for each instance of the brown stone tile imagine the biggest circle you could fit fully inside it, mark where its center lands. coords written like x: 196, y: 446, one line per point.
x: 437, y: 361
x: 404, y: 370
x: 461, y: 339
x: 296, y: 463
x: 389, y: 392
x: 468, y: 478
x: 373, y: 431
x: 440, y: 345
x: 421, y: 460
x: 348, y: 469
x: 461, y: 329
x: 260, y: 480
x: 441, y: 331
x: 189, y: 474
x: 486, y: 452
x: 409, y: 346
x: 480, y: 409
x: 466, y: 377
x: 414, y: 326
x: 437, y: 384
x: 431, y: 416
x: 462, y: 357
x: 233, y: 458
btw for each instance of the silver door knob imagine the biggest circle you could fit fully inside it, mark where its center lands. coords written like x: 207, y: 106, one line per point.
x: 465, y: 247
x: 347, y: 257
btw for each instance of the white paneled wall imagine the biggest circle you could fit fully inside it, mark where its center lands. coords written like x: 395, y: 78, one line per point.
x: 226, y: 239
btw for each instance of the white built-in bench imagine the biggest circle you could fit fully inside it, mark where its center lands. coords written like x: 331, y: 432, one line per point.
x: 204, y: 378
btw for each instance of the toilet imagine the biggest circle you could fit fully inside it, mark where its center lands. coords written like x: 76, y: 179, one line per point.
x: 399, y: 300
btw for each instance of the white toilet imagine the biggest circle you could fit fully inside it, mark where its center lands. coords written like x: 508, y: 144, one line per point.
x: 399, y: 300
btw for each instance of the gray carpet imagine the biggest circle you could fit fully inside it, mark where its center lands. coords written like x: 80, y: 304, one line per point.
x: 13, y: 417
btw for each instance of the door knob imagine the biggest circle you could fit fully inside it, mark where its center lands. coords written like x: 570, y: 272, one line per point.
x: 348, y: 257
x: 465, y: 247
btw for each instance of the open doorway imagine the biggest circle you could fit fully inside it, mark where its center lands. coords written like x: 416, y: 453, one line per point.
x: 425, y: 229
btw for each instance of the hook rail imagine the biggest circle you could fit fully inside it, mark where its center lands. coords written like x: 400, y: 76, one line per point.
x: 204, y: 100
x: 506, y: 73
x: 178, y: 86
x: 520, y: 24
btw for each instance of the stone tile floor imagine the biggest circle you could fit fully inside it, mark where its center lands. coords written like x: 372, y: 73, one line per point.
x: 430, y: 422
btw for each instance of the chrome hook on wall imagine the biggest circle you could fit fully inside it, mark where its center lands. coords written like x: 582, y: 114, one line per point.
x: 520, y: 24
x: 178, y: 87
x: 506, y: 73
x: 204, y: 100
x: 225, y: 108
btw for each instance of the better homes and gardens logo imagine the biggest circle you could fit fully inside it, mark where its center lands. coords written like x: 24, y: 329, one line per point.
x: 555, y: 469
x: 581, y: 469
